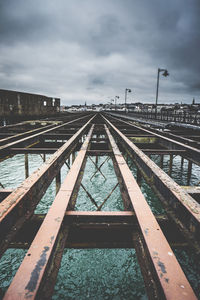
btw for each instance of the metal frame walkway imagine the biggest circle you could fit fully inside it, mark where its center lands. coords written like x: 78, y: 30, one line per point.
x: 152, y: 236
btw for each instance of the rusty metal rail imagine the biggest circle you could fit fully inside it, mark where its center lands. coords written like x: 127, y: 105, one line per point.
x: 14, y: 137
x: 179, y: 205
x: 20, y: 205
x: 174, y: 284
x: 36, y: 260
x: 191, y: 153
x: 46, y: 236
x: 34, y: 137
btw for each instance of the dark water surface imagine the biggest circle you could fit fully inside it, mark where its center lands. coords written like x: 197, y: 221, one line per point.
x: 96, y: 273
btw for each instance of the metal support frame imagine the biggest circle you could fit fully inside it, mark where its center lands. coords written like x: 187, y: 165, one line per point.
x: 169, y: 276
x: 26, y: 166
x: 46, y: 239
x: 191, y: 153
x: 98, y: 168
x: 25, y: 198
x: 62, y: 227
x: 180, y: 206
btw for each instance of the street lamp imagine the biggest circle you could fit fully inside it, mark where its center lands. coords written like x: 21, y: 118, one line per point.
x: 165, y: 74
x: 116, y: 97
x: 126, y: 91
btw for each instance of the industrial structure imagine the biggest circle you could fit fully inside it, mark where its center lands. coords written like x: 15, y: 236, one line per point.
x: 91, y: 135
x: 15, y: 105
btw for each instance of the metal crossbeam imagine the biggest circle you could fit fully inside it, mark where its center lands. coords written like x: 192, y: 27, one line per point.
x: 89, y: 195
x: 1, y: 185
x: 98, y: 168
x: 104, y: 201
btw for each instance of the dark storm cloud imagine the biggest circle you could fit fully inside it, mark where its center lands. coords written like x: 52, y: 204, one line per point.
x: 95, y: 49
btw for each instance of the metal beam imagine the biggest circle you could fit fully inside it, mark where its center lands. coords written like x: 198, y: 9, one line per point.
x: 191, y: 153
x: 33, y: 138
x: 179, y: 205
x: 20, y: 205
x: 172, y: 283
x: 35, y: 263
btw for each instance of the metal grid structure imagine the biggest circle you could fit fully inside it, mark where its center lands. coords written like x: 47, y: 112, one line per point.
x: 46, y: 236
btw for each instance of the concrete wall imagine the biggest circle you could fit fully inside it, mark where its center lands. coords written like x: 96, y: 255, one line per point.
x: 13, y: 103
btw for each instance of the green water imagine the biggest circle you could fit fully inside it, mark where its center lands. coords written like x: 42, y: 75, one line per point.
x: 95, y: 273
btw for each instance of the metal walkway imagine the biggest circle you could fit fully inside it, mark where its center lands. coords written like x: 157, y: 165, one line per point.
x: 46, y: 236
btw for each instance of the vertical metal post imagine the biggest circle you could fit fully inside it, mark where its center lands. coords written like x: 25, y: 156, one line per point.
x: 170, y: 164
x: 157, y: 93
x: 182, y: 162
x: 26, y: 166
x: 161, y: 161
x: 69, y: 159
x: 125, y: 98
x: 73, y: 156
x: 44, y: 157
x: 139, y: 177
x: 58, y: 181
x: 189, y: 172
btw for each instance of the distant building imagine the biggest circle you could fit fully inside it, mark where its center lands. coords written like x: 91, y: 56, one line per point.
x: 19, y: 104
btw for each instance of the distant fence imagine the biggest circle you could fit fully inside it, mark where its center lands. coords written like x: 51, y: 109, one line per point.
x: 168, y: 116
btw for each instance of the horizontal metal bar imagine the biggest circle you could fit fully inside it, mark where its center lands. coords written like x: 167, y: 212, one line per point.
x: 82, y: 226
x: 98, y: 152
x: 169, y: 273
x: 164, y: 151
x: 32, y: 150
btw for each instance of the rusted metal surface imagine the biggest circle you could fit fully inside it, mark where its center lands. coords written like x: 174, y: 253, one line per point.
x: 34, y: 264
x: 185, y: 211
x: 33, y: 138
x: 192, y: 153
x: 48, y: 235
x: 19, y: 206
x: 88, y: 229
x: 173, y: 282
x: 24, y: 134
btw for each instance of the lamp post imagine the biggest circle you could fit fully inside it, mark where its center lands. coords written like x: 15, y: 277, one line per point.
x: 116, y: 97
x: 126, y: 91
x: 165, y: 73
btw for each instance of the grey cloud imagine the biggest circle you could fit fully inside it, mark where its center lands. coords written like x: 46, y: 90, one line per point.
x: 85, y: 49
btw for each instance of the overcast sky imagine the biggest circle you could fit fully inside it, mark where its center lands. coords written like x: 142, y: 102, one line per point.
x: 91, y: 50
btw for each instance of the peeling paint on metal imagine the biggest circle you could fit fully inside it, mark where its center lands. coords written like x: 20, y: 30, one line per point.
x: 31, y: 286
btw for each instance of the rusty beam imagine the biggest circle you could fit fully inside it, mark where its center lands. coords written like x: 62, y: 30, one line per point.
x: 35, y: 264
x: 170, y: 279
x: 23, y: 134
x: 20, y: 205
x: 179, y: 205
x: 192, y: 153
x: 83, y: 226
x: 32, y: 150
x: 33, y: 138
